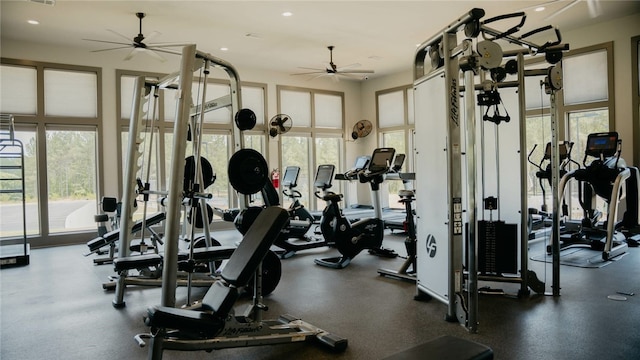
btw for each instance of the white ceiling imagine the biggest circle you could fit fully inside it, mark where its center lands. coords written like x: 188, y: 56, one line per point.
x: 379, y: 35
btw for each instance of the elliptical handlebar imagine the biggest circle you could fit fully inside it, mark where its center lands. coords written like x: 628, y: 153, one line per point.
x: 294, y: 194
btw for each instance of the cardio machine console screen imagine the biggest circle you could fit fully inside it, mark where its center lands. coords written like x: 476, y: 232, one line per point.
x: 324, y: 176
x: 381, y: 159
x: 361, y: 162
x: 602, y: 143
x: 290, y: 176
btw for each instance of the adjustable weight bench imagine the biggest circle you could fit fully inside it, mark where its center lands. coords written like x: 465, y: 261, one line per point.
x: 149, y: 267
x: 110, y: 238
x: 215, y: 325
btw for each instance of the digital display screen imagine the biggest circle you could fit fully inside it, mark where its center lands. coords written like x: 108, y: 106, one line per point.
x: 381, y: 159
x: 290, y: 176
x: 361, y: 162
x: 601, y: 143
x: 324, y: 176
x: 605, y: 144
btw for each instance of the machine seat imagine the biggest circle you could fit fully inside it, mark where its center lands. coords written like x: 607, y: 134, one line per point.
x: 202, y: 324
x: 212, y: 253
x: 221, y: 296
x: 136, y: 262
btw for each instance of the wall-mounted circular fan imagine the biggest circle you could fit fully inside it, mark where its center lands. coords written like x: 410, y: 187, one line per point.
x: 138, y: 45
x: 334, y: 71
x: 361, y: 129
x: 279, y: 124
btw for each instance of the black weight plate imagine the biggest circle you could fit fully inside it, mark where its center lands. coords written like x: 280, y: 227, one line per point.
x: 208, y: 177
x: 248, y: 171
x: 271, y: 274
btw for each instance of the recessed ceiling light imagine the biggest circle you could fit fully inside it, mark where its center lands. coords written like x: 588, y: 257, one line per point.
x: 287, y: 13
x: 33, y: 22
x: 541, y: 8
x: 224, y: 49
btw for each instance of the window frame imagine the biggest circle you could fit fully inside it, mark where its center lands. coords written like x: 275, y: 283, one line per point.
x: 41, y: 123
x: 313, y: 133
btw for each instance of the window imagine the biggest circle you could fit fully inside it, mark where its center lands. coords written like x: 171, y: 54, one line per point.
x: 395, y: 129
x: 316, y: 137
x: 585, y: 106
x: 57, y: 110
x: 71, y: 183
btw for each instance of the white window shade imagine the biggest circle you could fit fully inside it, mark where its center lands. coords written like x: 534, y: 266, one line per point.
x: 126, y: 95
x: 297, y: 105
x: 328, y: 111
x: 18, y: 90
x: 585, y: 78
x: 253, y: 98
x: 535, y: 97
x: 70, y: 93
x: 391, y: 109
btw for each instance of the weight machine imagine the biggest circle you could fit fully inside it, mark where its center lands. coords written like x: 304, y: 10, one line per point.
x: 448, y: 221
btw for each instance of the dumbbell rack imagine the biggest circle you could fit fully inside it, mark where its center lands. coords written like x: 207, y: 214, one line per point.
x: 13, y: 251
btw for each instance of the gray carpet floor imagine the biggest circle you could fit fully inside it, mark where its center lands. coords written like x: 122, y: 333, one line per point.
x: 55, y: 308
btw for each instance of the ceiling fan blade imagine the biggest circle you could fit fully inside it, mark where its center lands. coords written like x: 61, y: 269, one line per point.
x: 351, y: 66
x: 163, y: 45
x: 155, y: 55
x: 335, y: 77
x: 357, y: 72
x: 120, y: 35
x: 538, y: 5
x: 311, y: 73
x: 594, y: 8
x: 317, y: 76
x: 132, y: 53
x: 153, y: 35
x: 115, y: 48
x: 109, y: 42
x: 563, y: 9
x: 310, y: 68
x: 172, y: 52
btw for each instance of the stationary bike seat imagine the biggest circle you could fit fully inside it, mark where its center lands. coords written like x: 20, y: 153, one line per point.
x: 333, y: 197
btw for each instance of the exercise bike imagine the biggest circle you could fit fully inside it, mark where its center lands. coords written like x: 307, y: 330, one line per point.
x: 408, y: 269
x: 350, y: 239
x: 294, y: 236
x: 300, y: 218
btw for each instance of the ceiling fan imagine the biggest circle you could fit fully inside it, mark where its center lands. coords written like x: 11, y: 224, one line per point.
x: 137, y: 43
x: 334, y: 71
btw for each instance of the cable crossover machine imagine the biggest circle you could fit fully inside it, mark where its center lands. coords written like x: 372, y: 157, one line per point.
x: 458, y: 233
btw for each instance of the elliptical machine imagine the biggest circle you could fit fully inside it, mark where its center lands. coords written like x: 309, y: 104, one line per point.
x: 603, y: 177
x: 350, y: 239
x: 538, y: 219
